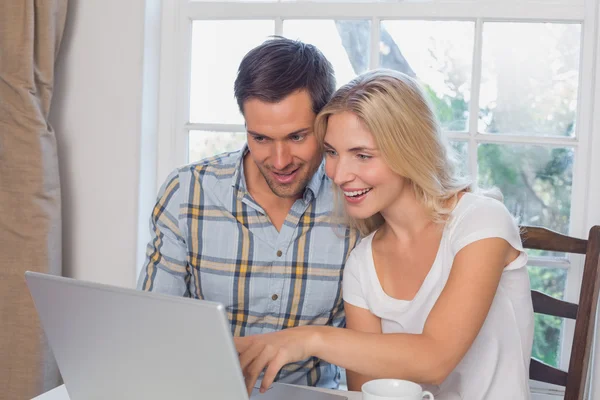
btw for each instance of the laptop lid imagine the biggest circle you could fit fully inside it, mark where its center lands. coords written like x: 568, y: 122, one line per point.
x: 116, y: 343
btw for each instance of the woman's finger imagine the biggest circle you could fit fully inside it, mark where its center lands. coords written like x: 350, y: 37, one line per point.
x: 254, y: 369
x: 247, y: 356
x: 243, y: 343
x: 272, y: 370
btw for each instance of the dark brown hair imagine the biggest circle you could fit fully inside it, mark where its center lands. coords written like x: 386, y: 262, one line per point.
x: 279, y: 67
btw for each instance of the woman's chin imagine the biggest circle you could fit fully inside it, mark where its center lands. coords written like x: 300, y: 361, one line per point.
x: 359, y: 212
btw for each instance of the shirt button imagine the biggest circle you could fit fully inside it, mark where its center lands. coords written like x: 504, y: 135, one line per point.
x: 279, y: 253
x: 274, y: 297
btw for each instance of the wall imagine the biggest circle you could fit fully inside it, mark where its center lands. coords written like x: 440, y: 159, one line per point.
x: 97, y: 113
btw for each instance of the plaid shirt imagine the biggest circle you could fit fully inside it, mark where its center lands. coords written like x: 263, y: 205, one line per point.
x: 211, y: 240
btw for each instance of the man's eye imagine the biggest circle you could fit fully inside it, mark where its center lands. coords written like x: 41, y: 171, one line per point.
x: 363, y: 156
x: 297, y: 138
x: 330, y: 153
x: 259, y: 139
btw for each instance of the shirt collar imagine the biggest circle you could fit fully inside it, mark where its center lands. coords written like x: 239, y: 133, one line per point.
x: 238, y: 180
x: 314, y: 185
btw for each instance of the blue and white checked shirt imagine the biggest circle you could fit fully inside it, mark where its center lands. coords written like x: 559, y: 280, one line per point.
x: 211, y: 240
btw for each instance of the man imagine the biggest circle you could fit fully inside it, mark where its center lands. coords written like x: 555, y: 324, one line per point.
x: 251, y: 229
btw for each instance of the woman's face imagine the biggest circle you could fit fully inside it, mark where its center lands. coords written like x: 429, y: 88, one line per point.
x: 355, y: 164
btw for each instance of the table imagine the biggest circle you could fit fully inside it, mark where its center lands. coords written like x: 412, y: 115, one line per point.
x: 60, y: 393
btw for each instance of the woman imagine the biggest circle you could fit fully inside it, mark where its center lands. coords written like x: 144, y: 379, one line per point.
x: 437, y: 291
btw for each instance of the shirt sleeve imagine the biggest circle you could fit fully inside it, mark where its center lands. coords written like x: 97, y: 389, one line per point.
x: 351, y: 284
x: 165, y: 269
x: 488, y: 218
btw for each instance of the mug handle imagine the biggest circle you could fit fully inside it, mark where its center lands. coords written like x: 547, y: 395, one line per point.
x: 428, y: 395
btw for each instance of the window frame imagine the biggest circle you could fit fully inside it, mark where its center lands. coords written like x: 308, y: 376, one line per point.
x: 175, y: 73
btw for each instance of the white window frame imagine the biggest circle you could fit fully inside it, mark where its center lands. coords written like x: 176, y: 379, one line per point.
x: 173, y: 117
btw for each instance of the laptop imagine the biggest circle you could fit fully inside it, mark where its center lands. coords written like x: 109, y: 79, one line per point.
x: 116, y: 343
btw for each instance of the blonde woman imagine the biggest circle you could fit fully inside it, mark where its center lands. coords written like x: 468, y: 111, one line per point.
x: 437, y: 291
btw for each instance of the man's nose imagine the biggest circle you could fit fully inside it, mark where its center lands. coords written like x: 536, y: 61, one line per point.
x: 282, y: 156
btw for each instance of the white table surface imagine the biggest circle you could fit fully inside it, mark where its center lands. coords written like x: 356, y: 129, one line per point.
x: 60, y: 393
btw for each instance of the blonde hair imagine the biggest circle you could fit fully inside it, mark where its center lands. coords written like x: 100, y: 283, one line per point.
x: 394, y: 108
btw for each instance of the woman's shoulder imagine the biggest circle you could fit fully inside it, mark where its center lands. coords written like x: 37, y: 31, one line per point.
x: 477, y: 216
x: 479, y: 205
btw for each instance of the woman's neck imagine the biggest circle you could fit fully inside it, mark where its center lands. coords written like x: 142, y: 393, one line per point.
x: 407, y: 217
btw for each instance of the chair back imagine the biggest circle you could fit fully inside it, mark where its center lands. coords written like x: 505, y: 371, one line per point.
x: 584, y: 313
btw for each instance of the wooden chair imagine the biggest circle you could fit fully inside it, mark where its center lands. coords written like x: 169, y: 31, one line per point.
x: 583, y: 313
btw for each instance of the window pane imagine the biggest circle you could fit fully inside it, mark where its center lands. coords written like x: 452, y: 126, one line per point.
x: 530, y: 76
x: 345, y: 43
x: 440, y: 55
x: 217, y: 50
x: 461, y: 152
x: 203, y: 144
x: 535, y: 181
x: 548, y: 330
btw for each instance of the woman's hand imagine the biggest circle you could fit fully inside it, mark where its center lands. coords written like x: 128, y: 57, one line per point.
x: 271, y: 351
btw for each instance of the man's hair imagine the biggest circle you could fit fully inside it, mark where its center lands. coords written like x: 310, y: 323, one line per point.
x: 280, y: 67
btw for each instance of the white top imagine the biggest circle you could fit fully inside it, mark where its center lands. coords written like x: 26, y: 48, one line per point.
x: 497, y: 364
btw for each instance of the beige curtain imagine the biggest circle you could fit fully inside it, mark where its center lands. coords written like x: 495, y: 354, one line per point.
x: 30, y: 224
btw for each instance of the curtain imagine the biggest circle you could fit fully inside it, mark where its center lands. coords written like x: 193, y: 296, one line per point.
x: 30, y: 209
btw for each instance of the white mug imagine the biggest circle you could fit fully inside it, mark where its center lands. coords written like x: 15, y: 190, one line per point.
x: 394, y: 389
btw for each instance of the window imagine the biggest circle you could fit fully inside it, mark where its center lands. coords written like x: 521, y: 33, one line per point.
x: 507, y: 80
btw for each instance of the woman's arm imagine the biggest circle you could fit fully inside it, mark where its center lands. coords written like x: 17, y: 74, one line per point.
x: 429, y: 357
x: 449, y: 331
x: 360, y: 319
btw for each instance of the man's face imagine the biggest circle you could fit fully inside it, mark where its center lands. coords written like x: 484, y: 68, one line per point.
x: 282, y: 143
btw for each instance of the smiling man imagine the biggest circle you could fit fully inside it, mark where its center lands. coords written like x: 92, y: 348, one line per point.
x: 251, y: 229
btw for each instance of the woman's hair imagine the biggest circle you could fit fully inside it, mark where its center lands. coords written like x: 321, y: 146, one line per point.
x: 395, y: 109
